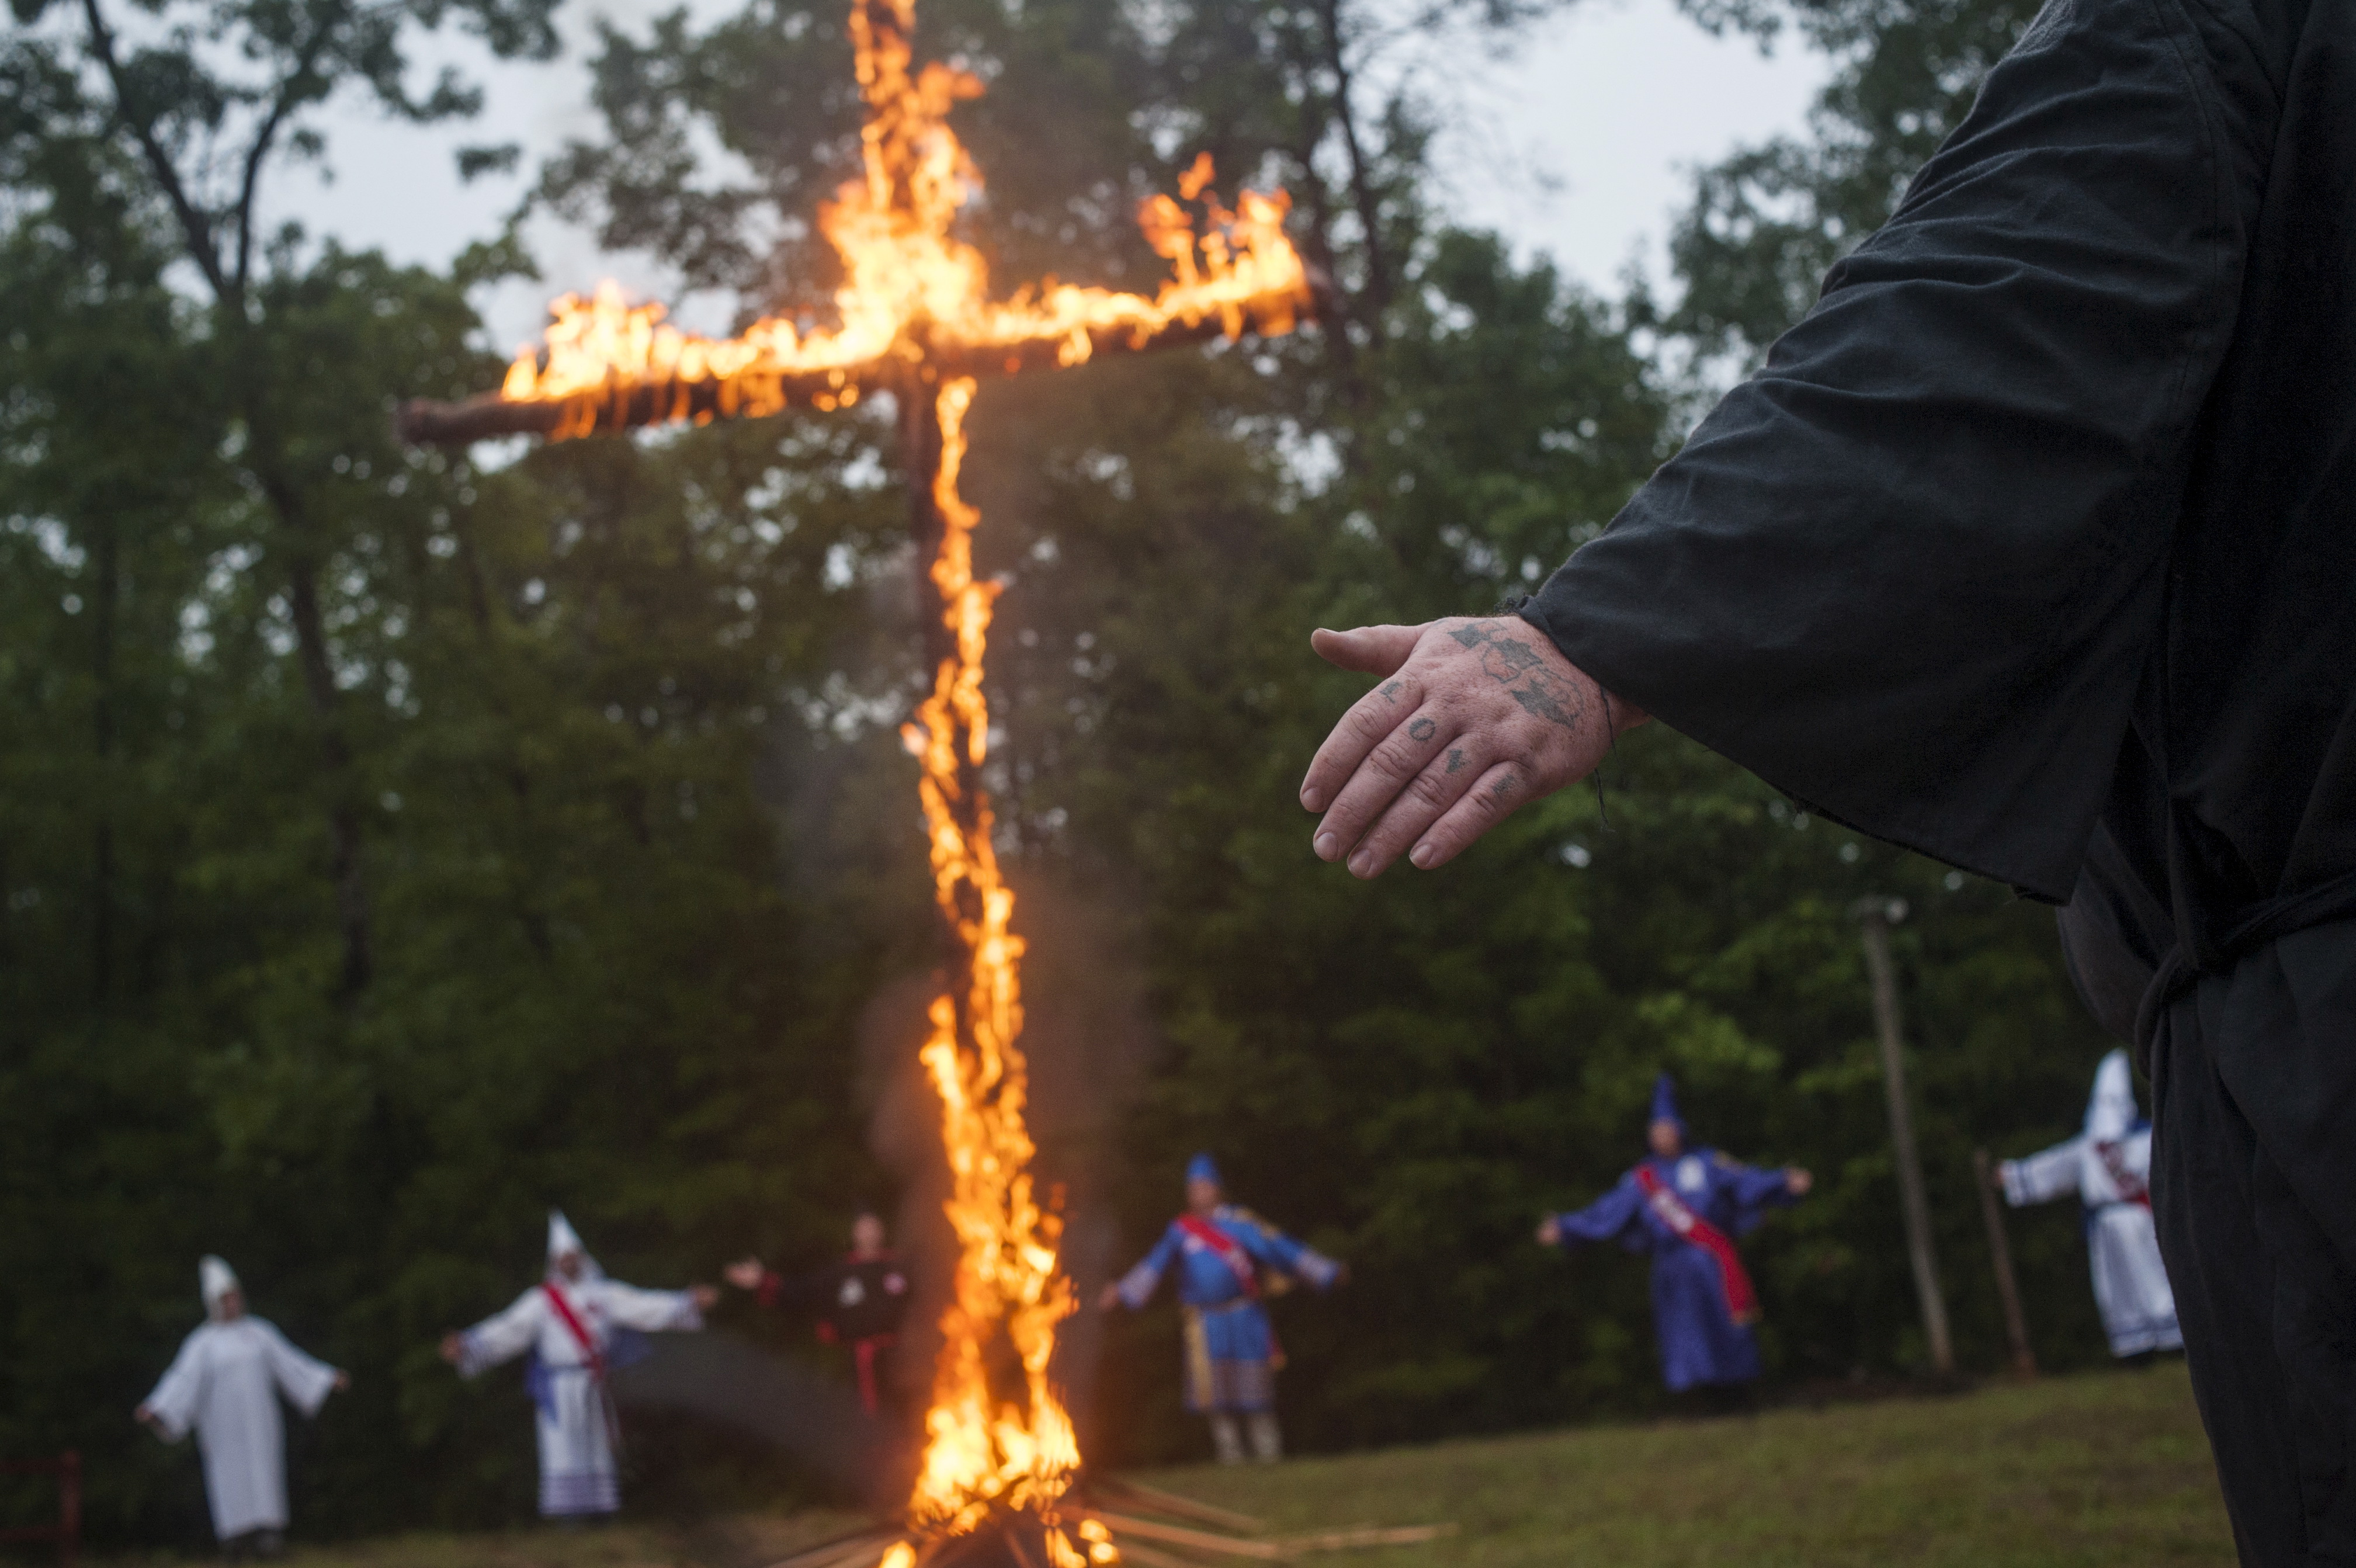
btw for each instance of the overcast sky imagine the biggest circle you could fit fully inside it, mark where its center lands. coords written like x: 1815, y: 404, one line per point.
x: 1573, y: 146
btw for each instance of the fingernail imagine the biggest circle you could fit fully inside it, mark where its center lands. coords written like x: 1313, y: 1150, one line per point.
x: 1362, y: 863
x: 1312, y: 800
x: 1421, y: 857
x: 1324, y: 846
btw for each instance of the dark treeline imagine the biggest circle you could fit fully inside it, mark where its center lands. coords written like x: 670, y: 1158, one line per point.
x: 392, y: 845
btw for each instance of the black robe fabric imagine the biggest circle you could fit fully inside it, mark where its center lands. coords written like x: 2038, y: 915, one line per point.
x: 2033, y: 548
x: 2061, y: 469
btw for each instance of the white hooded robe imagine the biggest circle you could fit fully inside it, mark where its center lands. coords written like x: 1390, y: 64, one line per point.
x: 2108, y: 1168
x: 576, y: 1422
x: 225, y: 1383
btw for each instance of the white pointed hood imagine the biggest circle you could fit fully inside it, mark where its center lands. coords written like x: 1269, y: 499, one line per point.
x: 2111, y: 1113
x: 216, y: 1279
x: 563, y: 1239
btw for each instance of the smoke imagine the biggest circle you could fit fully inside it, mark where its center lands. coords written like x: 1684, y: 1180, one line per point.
x: 1085, y: 1033
x: 791, y: 1407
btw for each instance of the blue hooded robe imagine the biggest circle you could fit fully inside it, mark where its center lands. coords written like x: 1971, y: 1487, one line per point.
x: 1702, y: 1342
x: 1231, y: 1354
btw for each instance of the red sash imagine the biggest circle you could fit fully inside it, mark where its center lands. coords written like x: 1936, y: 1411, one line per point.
x: 1741, y: 1304
x: 594, y: 1357
x: 2131, y: 1186
x: 1238, y: 1262
x: 578, y: 1330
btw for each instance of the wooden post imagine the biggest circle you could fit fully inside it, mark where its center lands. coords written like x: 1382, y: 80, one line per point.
x: 1876, y: 916
x: 2008, y: 1289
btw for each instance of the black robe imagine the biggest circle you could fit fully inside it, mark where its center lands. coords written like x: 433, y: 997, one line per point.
x: 2033, y: 547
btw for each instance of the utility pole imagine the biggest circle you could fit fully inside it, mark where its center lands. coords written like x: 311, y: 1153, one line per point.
x: 1876, y: 916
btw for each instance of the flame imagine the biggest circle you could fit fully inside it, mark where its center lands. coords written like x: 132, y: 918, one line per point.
x: 914, y: 314
x: 913, y: 297
x: 980, y: 1451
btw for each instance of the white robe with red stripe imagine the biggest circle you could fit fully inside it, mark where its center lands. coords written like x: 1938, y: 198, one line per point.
x: 2107, y: 1169
x: 576, y: 1450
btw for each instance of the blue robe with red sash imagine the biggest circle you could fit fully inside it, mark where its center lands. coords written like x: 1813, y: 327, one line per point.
x: 1231, y: 1353
x: 1702, y: 1306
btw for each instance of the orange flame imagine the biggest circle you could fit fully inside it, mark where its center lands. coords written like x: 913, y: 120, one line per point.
x: 981, y: 1453
x: 913, y: 297
x: 914, y: 314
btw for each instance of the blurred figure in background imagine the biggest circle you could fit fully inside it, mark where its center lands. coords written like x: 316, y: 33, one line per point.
x: 1685, y: 1208
x: 860, y: 1301
x: 2107, y: 1167
x: 1232, y: 1356
x: 576, y: 1325
x: 225, y: 1383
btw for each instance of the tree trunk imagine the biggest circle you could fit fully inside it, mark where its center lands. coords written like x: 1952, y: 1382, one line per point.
x: 1362, y: 185
x: 335, y: 750
x: 106, y: 597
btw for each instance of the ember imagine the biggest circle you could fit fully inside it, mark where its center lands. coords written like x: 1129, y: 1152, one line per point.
x: 914, y: 316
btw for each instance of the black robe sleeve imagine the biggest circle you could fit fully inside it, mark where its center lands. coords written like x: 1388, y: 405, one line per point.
x: 1911, y: 571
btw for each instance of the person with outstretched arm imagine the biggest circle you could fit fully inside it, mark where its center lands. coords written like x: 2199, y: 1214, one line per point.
x: 574, y: 1327
x: 1226, y: 1260
x: 2031, y: 548
x: 225, y: 1385
x: 1687, y: 1207
x: 861, y: 1301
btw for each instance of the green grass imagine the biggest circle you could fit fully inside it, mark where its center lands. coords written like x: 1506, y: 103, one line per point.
x: 2085, y: 1471
x: 2089, y: 1471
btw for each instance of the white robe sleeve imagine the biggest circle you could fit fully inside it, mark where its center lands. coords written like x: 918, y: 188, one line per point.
x: 2045, y: 1175
x: 306, y: 1381
x: 503, y: 1335
x: 181, y: 1391
x: 648, y: 1311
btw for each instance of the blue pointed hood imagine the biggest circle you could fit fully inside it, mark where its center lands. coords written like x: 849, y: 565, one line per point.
x: 1202, y: 1167
x: 1665, y: 1103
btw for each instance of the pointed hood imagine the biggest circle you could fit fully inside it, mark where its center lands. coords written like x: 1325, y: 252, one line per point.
x: 216, y: 1279
x: 563, y: 1239
x: 1202, y: 1167
x: 1664, y: 1104
x: 2111, y: 1112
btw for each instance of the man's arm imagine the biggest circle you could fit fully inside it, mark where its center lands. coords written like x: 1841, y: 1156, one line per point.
x: 1911, y: 572
x: 1468, y: 720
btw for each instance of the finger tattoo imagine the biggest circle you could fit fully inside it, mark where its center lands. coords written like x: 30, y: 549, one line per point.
x: 1504, y: 787
x: 1455, y: 760
x: 1421, y: 729
x: 1391, y: 692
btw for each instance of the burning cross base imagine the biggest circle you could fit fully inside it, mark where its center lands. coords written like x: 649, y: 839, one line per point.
x: 1000, y: 1466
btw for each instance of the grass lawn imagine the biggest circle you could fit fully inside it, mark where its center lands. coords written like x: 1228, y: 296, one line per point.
x: 2088, y: 1471
x: 2106, y: 1468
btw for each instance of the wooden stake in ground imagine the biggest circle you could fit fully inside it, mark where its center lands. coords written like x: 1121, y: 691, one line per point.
x: 2008, y: 1289
x: 1877, y: 915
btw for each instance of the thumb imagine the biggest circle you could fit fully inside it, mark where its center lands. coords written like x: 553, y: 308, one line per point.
x: 1369, y: 650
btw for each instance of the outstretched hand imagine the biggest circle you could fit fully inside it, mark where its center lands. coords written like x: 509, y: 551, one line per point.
x: 1469, y: 719
x: 744, y: 1274
x: 454, y: 1346
x: 705, y: 1297
x: 1109, y: 1297
x: 1798, y: 1181
x: 1549, y: 1231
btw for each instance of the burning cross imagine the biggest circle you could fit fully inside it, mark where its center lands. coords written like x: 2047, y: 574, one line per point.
x: 916, y: 318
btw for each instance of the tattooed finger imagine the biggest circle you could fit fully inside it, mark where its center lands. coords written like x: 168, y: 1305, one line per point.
x: 1492, y: 797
